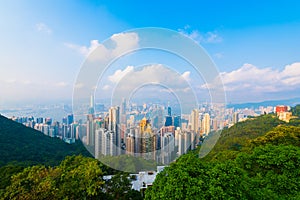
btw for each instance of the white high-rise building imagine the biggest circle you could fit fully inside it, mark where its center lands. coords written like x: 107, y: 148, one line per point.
x: 114, y: 127
x: 206, y: 123
x: 167, y: 142
x: 99, y: 142
x: 184, y: 142
x: 194, y: 120
x: 90, y: 130
x: 104, y: 143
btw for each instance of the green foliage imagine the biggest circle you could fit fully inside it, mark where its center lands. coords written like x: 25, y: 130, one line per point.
x: 128, y: 163
x: 269, y: 172
x: 191, y: 178
x: 237, y: 138
x: 296, y: 110
x: 5, y: 173
x: 25, y: 146
x: 280, y: 135
x: 295, y: 121
x: 273, y: 171
x: 119, y: 187
x: 75, y: 178
x: 255, y: 159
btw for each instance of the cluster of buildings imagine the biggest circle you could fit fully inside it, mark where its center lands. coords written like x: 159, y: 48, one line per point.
x: 150, y: 131
x: 283, y: 112
x: 66, y: 130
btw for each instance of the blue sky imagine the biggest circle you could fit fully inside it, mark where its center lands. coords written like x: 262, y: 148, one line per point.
x: 255, y: 44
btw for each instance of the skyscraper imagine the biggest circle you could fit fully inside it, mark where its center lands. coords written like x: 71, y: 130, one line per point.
x: 235, y: 117
x: 147, y: 140
x: 177, y: 121
x: 91, y: 108
x: 114, y: 127
x: 98, y: 142
x: 167, y: 142
x: 70, y: 119
x: 90, y: 130
x: 169, y: 111
x: 206, y: 123
x: 168, y: 121
x: 194, y: 120
x: 130, y: 144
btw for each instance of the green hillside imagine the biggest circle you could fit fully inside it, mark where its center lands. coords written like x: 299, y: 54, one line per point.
x: 255, y: 159
x: 237, y: 138
x: 25, y: 146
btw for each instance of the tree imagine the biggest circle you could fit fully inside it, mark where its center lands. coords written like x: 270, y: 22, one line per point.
x: 119, y: 187
x: 76, y: 177
x: 191, y: 178
x: 273, y: 171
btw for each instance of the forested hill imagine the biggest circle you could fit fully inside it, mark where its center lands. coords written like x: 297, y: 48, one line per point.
x: 25, y: 146
x: 255, y: 159
x: 240, y: 136
x: 237, y: 138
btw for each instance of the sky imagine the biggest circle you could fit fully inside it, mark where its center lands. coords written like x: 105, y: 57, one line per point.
x: 43, y: 44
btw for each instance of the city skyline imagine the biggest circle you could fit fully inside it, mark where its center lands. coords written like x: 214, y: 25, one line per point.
x: 151, y: 131
x: 254, y: 49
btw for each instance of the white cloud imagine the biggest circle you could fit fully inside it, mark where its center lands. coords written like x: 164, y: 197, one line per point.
x: 252, y: 78
x: 41, y: 27
x: 162, y: 82
x: 119, y: 74
x: 208, y: 37
x: 121, y: 43
x: 154, y: 74
x: 186, y: 75
x: 106, y: 87
x: 61, y: 84
x: 83, y: 50
x: 79, y: 85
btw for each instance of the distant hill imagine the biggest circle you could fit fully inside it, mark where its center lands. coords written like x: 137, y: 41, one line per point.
x: 290, y: 102
x: 237, y: 138
x: 25, y: 146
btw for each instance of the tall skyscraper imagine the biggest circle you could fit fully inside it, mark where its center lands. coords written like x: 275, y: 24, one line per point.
x: 168, y: 121
x: 114, y: 127
x: 90, y: 130
x: 123, y: 107
x: 177, y: 121
x: 130, y: 144
x: 147, y: 140
x: 70, y: 119
x: 98, y: 142
x: 194, y: 120
x: 181, y: 147
x: 206, y: 123
x: 169, y: 111
x: 235, y: 118
x: 167, y: 143
x: 92, y: 105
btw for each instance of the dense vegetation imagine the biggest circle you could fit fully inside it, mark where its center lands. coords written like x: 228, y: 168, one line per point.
x: 76, y: 177
x: 25, y: 146
x: 128, y: 163
x: 268, y: 172
x: 21, y: 147
x: 255, y: 159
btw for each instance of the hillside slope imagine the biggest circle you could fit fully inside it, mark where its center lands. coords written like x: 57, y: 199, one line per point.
x: 25, y: 146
